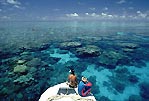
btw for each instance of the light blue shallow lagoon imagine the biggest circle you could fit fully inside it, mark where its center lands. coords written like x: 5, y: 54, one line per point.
x: 114, y: 56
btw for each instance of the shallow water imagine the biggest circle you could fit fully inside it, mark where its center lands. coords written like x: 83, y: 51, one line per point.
x: 33, y: 58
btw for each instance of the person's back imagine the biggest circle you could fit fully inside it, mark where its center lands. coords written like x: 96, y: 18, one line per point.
x: 72, y: 78
x: 84, y: 87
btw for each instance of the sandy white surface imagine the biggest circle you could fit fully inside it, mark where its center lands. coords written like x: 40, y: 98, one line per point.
x: 52, y: 91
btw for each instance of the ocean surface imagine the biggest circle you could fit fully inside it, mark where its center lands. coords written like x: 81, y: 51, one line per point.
x: 114, y: 56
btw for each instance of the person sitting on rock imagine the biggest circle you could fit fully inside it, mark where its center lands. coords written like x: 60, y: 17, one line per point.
x: 72, y: 79
x: 84, y: 87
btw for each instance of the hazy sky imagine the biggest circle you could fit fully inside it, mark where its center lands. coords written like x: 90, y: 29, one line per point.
x: 73, y: 9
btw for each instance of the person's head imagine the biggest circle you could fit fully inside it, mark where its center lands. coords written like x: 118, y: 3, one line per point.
x: 72, y: 71
x: 84, y: 79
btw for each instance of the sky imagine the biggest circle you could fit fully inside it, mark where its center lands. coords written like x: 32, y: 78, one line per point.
x: 43, y: 10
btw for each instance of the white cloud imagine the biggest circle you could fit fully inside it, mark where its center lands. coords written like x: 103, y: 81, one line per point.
x: 110, y: 15
x: 123, y: 16
x: 80, y: 3
x: 105, y: 8
x: 16, y: 6
x: 132, y: 17
x: 86, y: 13
x: 19, y: 7
x: 131, y: 8
x: 121, y: 2
x: 92, y: 14
x: 45, y: 18
x: 103, y: 14
x: 5, y: 17
x: 41, y: 18
x: 15, y: 2
x: 138, y: 12
x: 100, y: 16
x: 143, y: 15
x: 72, y: 15
x: 56, y: 9
x: 107, y: 16
x: 93, y: 9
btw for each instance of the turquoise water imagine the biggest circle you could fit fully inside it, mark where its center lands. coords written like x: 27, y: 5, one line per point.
x: 114, y: 56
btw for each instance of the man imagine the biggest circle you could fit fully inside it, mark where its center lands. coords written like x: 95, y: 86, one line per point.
x: 84, y: 87
x: 72, y: 79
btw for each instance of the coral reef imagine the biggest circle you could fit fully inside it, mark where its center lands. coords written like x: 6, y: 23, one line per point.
x: 21, y: 62
x: 144, y: 92
x: 24, y: 79
x: 35, y: 62
x: 133, y: 78
x: 110, y: 59
x: 116, y: 62
x: 135, y: 98
x: 68, y: 45
x: 88, y: 51
x: 20, y: 69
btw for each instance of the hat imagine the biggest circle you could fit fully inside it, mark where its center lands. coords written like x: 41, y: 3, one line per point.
x: 71, y: 71
x: 84, y: 79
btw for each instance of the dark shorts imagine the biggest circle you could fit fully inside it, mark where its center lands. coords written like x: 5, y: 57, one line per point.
x: 72, y: 86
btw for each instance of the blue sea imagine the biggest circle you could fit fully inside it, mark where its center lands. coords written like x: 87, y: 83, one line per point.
x: 113, y: 55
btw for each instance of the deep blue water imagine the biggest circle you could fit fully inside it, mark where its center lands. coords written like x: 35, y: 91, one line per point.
x: 114, y: 56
